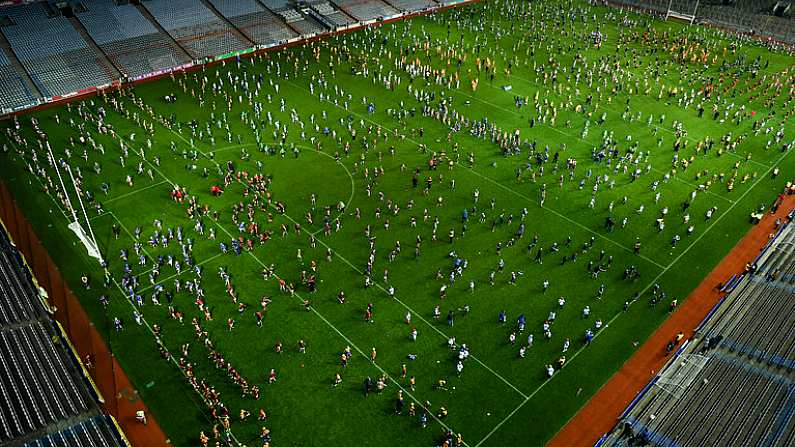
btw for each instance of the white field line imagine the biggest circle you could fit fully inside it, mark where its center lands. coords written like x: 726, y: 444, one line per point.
x: 131, y: 193
x: 594, y: 233
x: 173, y: 359
x: 413, y: 312
x: 168, y: 278
x: 610, y: 105
x: 127, y: 299
x: 564, y: 217
x: 344, y: 337
x: 157, y: 339
x: 692, y: 185
x: 222, y: 228
x: 654, y: 280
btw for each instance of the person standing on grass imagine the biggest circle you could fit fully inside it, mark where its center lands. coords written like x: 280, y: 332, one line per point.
x: 368, y: 386
x: 399, y: 402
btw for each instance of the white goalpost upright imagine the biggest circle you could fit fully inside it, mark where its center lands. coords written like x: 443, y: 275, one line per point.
x: 88, y: 240
x: 689, y: 17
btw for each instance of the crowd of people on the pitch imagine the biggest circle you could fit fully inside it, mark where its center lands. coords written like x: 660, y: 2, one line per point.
x: 427, y: 77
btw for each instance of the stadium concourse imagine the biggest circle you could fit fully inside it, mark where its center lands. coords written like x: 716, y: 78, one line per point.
x: 319, y: 224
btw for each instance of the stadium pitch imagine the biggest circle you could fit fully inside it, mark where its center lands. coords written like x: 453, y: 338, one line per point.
x: 425, y: 196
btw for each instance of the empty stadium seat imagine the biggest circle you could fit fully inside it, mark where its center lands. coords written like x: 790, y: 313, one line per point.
x: 127, y: 37
x: 98, y: 431
x: 364, y: 10
x: 256, y: 22
x: 59, y: 69
x: 733, y: 384
x: 195, y: 27
x: 13, y: 90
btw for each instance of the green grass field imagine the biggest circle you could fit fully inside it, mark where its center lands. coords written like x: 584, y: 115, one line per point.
x: 633, y: 96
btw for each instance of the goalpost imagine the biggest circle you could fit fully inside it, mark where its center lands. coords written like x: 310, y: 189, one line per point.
x: 687, y: 16
x: 680, y: 375
x: 88, y: 239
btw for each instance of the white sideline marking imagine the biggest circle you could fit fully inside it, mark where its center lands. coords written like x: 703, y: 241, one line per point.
x: 687, y: 249
x: 564, y: 217
x: 131, y: 193
x: 347, y: 340
x: 251, y: 253
x: 418, y: 314
x: 500, y: 184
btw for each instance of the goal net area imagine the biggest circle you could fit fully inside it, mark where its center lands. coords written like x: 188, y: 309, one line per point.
x: 678, y: 377
x: 682, y: 10
x: 86, y: 240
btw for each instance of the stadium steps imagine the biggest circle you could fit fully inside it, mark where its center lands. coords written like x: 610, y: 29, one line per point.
x: 307, y: 20
x: 310, y: 13
x: 148, y: 15
x: 113, y: 72
x: 287, y: 24
x: 223, y: 18
x: 19, y: 67
x: 55, y: 427
x: 313, y: 17
x: 343, y: 12
x: 45, y: 399
x: 392, y: 4
x: 349, y: 8
x: 16, y: 303
x: 745, y: 392
x: 321, y: 9
x: 98, y: 431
